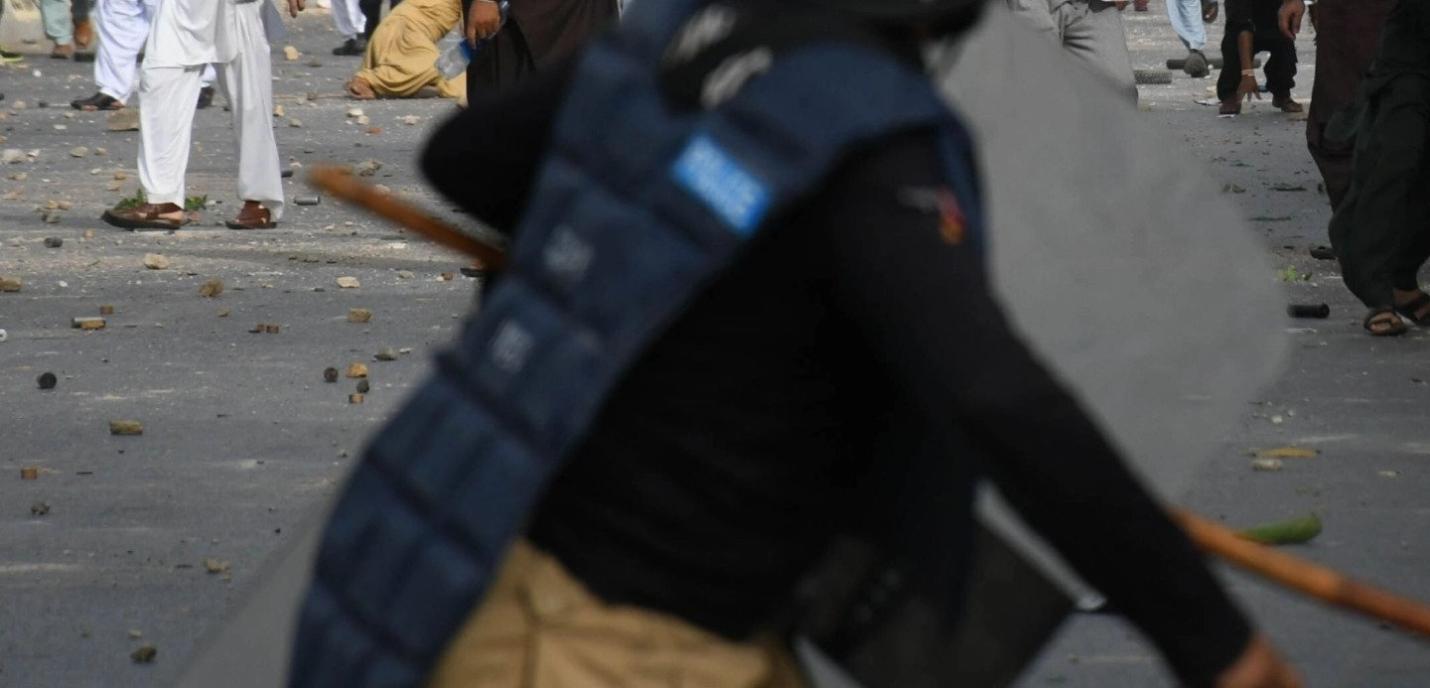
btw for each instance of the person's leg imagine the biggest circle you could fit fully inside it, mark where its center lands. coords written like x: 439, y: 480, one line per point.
x: 372, y: 14
x: 166, y: 112
x: 1093, y: 32
x: 1230, y: 75
x: 1382, y: 207
x: 349, y: 22
x: 1347, y: 32
x: 59, y: 26
x: 248, y: 85
x: 1186, y: 18
x: 123, y: 27
x: 1280, y: 68
x: 504, y: 61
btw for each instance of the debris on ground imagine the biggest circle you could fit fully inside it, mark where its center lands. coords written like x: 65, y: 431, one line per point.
x: 330, y: 374
x: 355, y: 398
x: 4, y: 335
x: 29, y: 473
x: 367, y: 168
x: 1266, y: 464
x: 126, y: 427
x: 211, y: 288
x: 354, y: 113
x: 307, y: 200
x: 88, y: 323
x: 39, y: 509
x: 349, y: 282
x: 156, y: 261
x: 1317, y: 311
x: 46, y: 381
x: 356, y: 369
x: 386, y: 353
x: 1290, y: 532
x: 279, y: 112
x: 145, y: 654
x: 1287, y: 453
x: 295, y: 123
x: 79, y: 152
x: 359, y: 315
x: 216, y: 565
x: 266, y: 328
x: 123, y: 120
x: 106, y: 310
x: 10, y: 284
x: 1388, y: 474
x: 410, y: 120
x: 363, y: 386
x: 54, y: 242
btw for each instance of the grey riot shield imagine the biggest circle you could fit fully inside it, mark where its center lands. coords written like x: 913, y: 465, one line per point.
x: 1117, y: 259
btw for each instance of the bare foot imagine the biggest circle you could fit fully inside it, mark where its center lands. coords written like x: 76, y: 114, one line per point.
x: 360, y: 89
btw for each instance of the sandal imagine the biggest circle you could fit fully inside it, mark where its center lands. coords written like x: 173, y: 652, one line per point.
x: 252, y: 216
x: 1384, y: 322
x: 145, y: 216
x: 1411, y: 309
x: 96, y: 102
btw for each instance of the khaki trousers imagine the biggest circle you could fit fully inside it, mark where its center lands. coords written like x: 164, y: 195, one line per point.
x: 540, y: 628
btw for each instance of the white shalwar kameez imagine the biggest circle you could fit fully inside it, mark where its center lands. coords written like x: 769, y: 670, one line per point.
x: 348, y: 18
x: 123, y: 28
x: 186, y: 35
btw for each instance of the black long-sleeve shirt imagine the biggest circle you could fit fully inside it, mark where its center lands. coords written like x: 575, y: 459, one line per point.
x: 711, y: 480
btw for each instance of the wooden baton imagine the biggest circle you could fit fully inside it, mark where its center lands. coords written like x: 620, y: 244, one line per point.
x: 340, y: 182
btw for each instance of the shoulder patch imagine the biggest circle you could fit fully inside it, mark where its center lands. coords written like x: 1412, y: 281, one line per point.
x: 722, y: 183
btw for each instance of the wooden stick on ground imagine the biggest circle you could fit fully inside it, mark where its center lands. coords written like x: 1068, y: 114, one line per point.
x: 1303, y: 576
x: 339, y: 182
x: 1291, y: 572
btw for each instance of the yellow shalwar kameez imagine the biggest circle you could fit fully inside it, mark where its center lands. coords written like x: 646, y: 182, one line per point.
x: 402, y: 54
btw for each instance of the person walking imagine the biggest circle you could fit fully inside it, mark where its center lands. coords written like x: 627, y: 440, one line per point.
x: 186, y: 36
x: 686, y: 383
x: 1189, y: 23
x: 123, y: 29
x: 67, y: 24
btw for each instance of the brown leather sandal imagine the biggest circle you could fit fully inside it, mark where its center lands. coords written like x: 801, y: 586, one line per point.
x: 146, y: 216
x: 252, y: 216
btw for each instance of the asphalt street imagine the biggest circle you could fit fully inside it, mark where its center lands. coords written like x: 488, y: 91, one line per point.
x: 113, y: 543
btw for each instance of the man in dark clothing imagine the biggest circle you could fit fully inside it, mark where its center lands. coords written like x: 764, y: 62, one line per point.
x: 372, y: 15
x: 1252, y: 27
x: 537, y: 33
x: 1378, y: 230
x: 1347, y: 32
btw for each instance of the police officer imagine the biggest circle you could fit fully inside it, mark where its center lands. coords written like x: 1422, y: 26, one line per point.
x: 746, y: 246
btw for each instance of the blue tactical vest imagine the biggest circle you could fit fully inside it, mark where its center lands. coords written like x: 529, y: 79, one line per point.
x: 639, y: 206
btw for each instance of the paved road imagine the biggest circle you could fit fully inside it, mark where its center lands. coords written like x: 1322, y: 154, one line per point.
x: 242, y: 436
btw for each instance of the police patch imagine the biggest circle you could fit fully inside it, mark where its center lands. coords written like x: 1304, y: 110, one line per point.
x: 722, y: 184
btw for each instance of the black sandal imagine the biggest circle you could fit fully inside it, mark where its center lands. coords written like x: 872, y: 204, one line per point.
x: 1394, y: 327
x: 1409, y: 310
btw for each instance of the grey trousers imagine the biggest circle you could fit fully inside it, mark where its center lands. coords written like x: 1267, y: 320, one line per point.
x: 1089, y: 29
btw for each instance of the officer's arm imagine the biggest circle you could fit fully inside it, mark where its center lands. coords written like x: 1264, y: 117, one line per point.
x: 485, y: 158
x: 917, y: 291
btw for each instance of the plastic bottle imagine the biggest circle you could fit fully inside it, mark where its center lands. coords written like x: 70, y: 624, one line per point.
x: 459, y: 53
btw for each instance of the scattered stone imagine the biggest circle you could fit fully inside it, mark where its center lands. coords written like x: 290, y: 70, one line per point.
x: 46, y: 380
x: 359, y: 315
x: 123, y: 120
x: 106, y: 310
x: 355, y: 398
x: 307, y: 200
x: 278, y: 111
x: 1388, y: 474
x: 224, y: 313
x: 114, y: 186
x: 295, y: 123
x: 101, y: 152
x: 409, y: 120
x: 121, y: 174
x: 156, y: 261
x: 79, y: 152
x: 1266, y: 464
x: 89, y: 234
x: 29, y: 473
x: 266, y: 328
x: 374, y: 131
x: 405, y: 350
x: 291, y: 53
x: 10, y: 284
x: 19, y: 176
x: 363, y: 386
x: 54, y: 242
x: 405, y: 274
x: 363, y: 120
x: 386, y: 354
x: 126, y: 427
x: 368, y: 168
x: 4, y: 336
x: 145, y: 654
x: 135, y: 634
x: 216, y: 565
x: 211, y: 288
x: 349, y: 282
x: 357, y: 369
x: 448, y: 276
x: 330, y: 374
x: 354, y: 113
x: 12, y: 156
x: 88, y: 323
x: 39, y: 509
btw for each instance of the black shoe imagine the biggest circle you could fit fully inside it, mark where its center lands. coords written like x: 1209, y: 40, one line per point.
x: 206, y: 97
x: 1196, y: 65
x: 98, y: 101
x: 352, y: 46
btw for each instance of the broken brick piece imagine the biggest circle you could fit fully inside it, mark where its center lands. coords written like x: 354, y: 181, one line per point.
x: 356, y: 369
x: 126, y: 427
x: 359, y: 315
x: 88, y: 323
